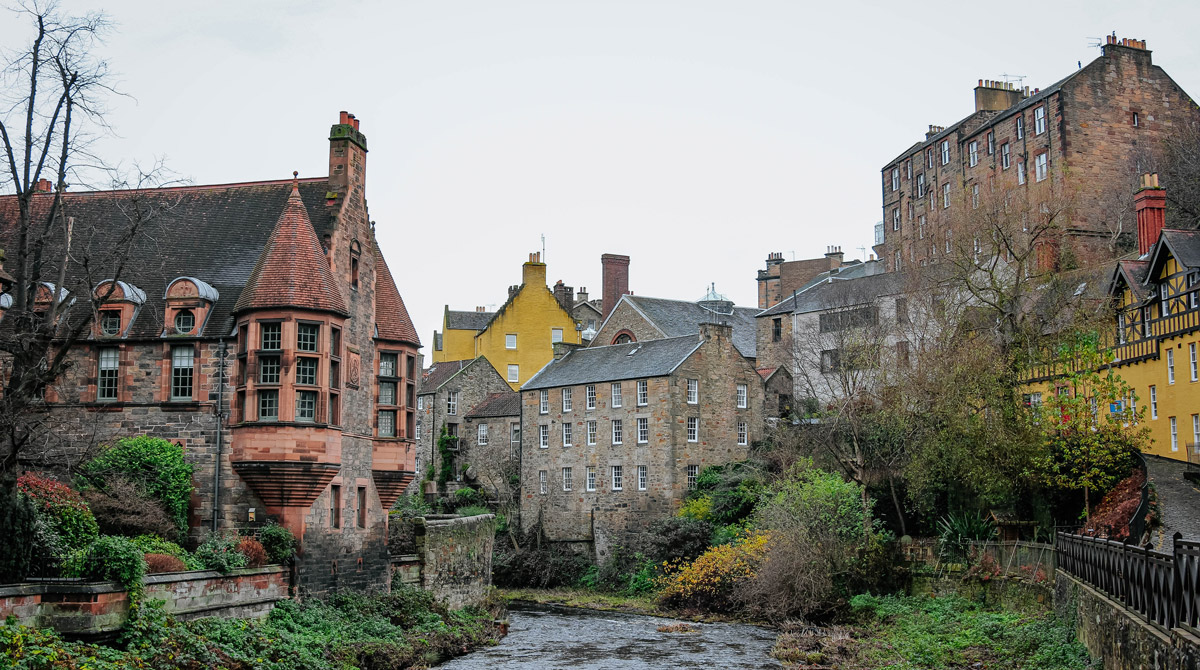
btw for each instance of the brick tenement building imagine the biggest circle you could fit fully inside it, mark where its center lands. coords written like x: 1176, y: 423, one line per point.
x: 780, y: 278
x: 262, y: 330
x: 1088, y: 128
x: 613, y: 437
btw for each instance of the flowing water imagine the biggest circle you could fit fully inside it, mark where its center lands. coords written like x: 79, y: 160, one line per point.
x: 545, y: 636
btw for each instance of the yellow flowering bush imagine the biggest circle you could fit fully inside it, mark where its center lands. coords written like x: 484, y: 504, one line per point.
x: 699, y: 508
x: 708, y: 582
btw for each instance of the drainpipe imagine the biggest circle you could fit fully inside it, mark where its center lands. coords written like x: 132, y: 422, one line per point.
x: 221, y: 351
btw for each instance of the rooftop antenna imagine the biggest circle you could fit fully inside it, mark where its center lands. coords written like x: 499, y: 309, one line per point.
x: 1010, y: 78
x: 1095, y: 42
x: 543, y: 247
x: 863, y: 251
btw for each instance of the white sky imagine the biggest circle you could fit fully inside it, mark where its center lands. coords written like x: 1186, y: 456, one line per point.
x: 694, y: 136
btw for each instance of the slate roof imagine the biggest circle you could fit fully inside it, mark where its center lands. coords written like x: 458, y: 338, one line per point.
x: 391, y: 317
x: 292, y: 270
x: 1184, y: 245
x: 467, y: 320
x: 440, y: 373
x: 678, y: 318
x: 650, y: 358
x: 809, y: 295
x: 214, y: 233
x: 1134, y: 272
x: 497, y: 405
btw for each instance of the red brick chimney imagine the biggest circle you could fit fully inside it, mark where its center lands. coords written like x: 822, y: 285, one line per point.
x: 347, y: 158
x: 44, y: 186
x: 615, y: 272
x: 1150, y: 203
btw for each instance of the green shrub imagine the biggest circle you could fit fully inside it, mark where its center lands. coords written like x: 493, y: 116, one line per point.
x: 152, y: 544
x: 624, y: 571
x: 220, y: 553
x: 468, y: 497
x: 18, y: 518
x: 412, y: 504
x: 111, y: 557
x: 733, y: 490
x: 711, y: 581
x: 64, y: 509
x: 957, y: 530
x: 472, y: 510
x: 155, y: 465
x: 278, y: 541
x: 677, y: 540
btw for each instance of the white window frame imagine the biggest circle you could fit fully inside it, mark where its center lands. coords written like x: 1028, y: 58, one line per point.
x: 895, y: 218
x: 566, y: 478
x: 591, y: 432
x: 945, y: 152
x: 1020, y: 173
x: 693, y: 429
x: 1039, y: 120
x: 556, y: 335
x: 514, y: 372
x: 1005, y: 156
x: 1174, y: 434
x: 693, y: 391
x: 946, y: 195
x: 542, y: 481
x: 590, y: 484
x: 643, y: 477
x: 568, y: 434
x: 1041, y: 166
x: 618, y: 432
x: 1153, y: 402
x: 643, y: 430
x: 590, y: 395
x: 510, y: 341
x: 973, y: 153
x: 991, y: 143
x: 615, y: 397
x: 974, y: 196
x: 1195, y: 431
x: 693, y: 476
x: 1170, y: 366
x: 921, y: 185
x: 895, y: 179
x: 743, y: 434
x: 743, y: 396
x: 1020, y: 127
x: 567, y: 399
x: 452, y: 403
x: 643, y: 393
x: 543, y: 436
x: 544, y: 401
x: 618, y: 477
x: 481, y: 437
x: 1192, y: 357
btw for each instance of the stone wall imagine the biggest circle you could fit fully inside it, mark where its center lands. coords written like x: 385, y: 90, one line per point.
x: 453, y: 558
x: 80, y: 609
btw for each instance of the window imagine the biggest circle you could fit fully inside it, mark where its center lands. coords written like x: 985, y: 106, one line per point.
x: 929, y: 157
x: 1195, y: 431
x: 106, y: 381
x: 544, y: 401
x: 387, y: 423
x: 901, y: 310
x: 387, y: 365
x: 743, y: 436
x: 1192, y: 357
x: 185, y: 322
x: 974, y: 196
x: 742, y: 392
x: 693, y: 429
x: 268, y: 369
x: 589, y: 393
x: 566, y: 400
x: 335, y: 341
x: 306, y: 337
x: 908, y: 169
x: 416, y: 436
x: 945, y: 152
x: 693, y: 391
x: 306, y: 373
x: 182, y: 366
x: 556, y: 335
x: 1020, y: 127
x: 617, y: 433
x: 566, y: 472
x: 335, y: 506
x: 1121, y: 328
x: 567, y: 434
x: 514, y: 434
x: 452, y: 403
x: 110, y: 322
x: 830, y: 360
x: 1020, y: 172
x: 1170, y: 366
x: 693, y: 473
x: 591, y: 478
x: 777, y: 329
x: 270, y: 336
x: 268, y: 404
x: 921, y: 185
x: 642, y: 477
x: 973, y: 153
x: 1174, y: 435
x: 514, y: 373
x: 643, y: 430
x: 991, y: 143
x: 1039, y: 120
x: 946, y: 195
x: 895, y: 179
x: 616, y: 478
x: 921, y: 227
x: 591, y: 432
x: 1005, y: 156
x: 643, y: 393
x: 1040, y: 165
x: 895, y: 218
x: 1135, y: 119
x: 1153, y: 402
x: 482, y: 437
x: 542, y: 482
x: 510, y: 341
x: 544, y: 436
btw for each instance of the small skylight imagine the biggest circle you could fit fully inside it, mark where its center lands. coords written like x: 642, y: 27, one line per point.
x: 634, y: 350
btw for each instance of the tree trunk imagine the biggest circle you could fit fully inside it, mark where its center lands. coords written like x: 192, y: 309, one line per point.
x: 896, y: 503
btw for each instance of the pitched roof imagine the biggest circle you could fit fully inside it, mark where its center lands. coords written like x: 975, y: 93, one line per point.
x: 215, y: 233
x: 635, y: 360
x: 678, y: 318
x: 440, y: 373
x: 507, y: 403
x: 1184, y: 246
x: 467, y: 320
x: 391, y: 318
x: 1134, y: 274
x: 812, y: 293
x: 292, y: 270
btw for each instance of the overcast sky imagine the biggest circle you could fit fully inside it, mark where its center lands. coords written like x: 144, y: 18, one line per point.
x: 693, y: 136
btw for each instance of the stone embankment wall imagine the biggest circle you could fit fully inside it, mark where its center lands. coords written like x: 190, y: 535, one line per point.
x: 451, y: 557
x: 81, y: 609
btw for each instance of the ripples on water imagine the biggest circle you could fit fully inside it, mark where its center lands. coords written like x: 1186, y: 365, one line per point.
x: 545, y: 636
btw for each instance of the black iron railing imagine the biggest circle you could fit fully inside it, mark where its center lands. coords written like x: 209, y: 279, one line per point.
x: 1161, y: 587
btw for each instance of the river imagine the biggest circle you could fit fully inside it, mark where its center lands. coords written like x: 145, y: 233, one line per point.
x: 546, y: 636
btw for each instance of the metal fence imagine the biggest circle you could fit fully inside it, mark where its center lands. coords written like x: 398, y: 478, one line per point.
x: 1162, y: 587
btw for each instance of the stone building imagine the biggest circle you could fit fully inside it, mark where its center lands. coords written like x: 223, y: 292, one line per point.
x: 780, y: 278
x: 638, y: 318
x: 492, y: 446
x: 449, y: 391
x: 268, y: 337
x: 1089, y: 129
x: 613, y: 437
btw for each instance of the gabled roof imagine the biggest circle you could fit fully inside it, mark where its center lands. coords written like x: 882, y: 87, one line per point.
x: 292, y: 270
x: 832, y: 288
x: 1183, y: 245
x: 678, y: 318
x: 636, y: 360
x: 1133, y: 274
x: 467, y: 320
x: 438, y: 374
x: 391, y: 318
x: 507, y: 403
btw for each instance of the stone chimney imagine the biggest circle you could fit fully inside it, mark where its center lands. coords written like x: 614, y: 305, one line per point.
x: 512, y: 290
x: 1111, y: 42
x: 996, y: 96
x: 615, y: 271
x: 1150, y: 203
x: 563, y: 348
x: 533, y: 273
x: 709, y: 331
x: 564, y: 295
x: 933, y: 130
x: 347, y: 159
x: 581, y: 295
x: 834, y: 254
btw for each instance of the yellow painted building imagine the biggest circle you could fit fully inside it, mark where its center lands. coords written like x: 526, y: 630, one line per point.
x: 517, y: 339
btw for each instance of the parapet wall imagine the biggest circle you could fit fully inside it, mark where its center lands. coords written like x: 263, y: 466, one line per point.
x: 453, y: 558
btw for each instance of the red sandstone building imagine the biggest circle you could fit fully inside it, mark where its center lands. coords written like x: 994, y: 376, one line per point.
x: 262, y: 329
x: 1088, y: 129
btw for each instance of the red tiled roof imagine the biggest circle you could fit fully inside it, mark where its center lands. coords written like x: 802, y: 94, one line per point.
x: 292, y: 270
x: 391, y: 318
x: 766, y: 372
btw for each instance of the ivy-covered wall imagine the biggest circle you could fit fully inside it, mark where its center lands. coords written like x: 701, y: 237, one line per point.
x: 454, y: 556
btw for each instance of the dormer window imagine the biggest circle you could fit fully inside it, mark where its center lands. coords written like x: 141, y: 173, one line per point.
x: 185, y: 322
x: 110, y: 322
x: 188, y: 301
x: 120, y: 302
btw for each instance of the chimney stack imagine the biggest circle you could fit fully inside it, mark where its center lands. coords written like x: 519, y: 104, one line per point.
x: 44, y: 186
x: 563, y: 294
x: 581, y: 295
x: 1150, y: 203
x: 347, y: 159
x: 834, y: 254
x: 533, y: 273
x: 996, y: 96
x: 615, y: 272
